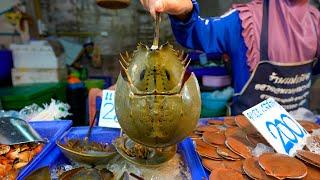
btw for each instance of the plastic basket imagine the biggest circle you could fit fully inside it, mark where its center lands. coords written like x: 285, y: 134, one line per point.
x: 185, y: 148
x: 51, y: 131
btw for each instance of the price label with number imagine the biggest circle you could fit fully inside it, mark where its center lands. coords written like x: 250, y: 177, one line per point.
x: 277, y: 126
x: 108, y: 116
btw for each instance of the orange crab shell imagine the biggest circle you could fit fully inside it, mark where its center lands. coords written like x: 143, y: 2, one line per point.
x: 211, y: 165
x: 239, y: 147
x: 227, y: 153
x: 235, y: 165
x: 214, y: 138
x: 253, y: 170
x: 13, y: 154
x: 243, y: 122
x: 4, y: 149
x: 208, y: 152
x: 309, y: 157
x: 229, y: 122
x: 282, y: 166
x: 309, y: 126
x: 255, y: 138
x: 215, y: 122
x: 202, y: 129
x: 313, y: 173
x: 234, y: 131
x: 225, y: 174
x: 26, y: 156
x: 38, y: 149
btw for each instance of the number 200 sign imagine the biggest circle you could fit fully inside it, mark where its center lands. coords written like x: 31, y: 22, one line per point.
x: 276, y: 125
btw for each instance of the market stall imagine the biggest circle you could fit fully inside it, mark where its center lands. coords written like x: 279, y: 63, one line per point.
x: 154, y: 90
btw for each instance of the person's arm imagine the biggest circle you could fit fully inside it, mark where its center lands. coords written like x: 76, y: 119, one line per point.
x: 211, y: 35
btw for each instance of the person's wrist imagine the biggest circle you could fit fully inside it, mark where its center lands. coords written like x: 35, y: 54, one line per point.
x: 186, y: 13
x: 184, y: 16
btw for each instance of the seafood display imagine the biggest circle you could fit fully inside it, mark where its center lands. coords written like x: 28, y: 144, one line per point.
x: 14, y: 157
x: 87, y: 147
x: 228, y: 150
x: 87, y: 173
x: 91, y: 153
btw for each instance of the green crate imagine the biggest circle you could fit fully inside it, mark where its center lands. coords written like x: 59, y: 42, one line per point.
x: 16, y: 98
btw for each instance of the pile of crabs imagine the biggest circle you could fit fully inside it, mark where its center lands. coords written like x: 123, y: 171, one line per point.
x: 13, y: 158
x: 228, y: 150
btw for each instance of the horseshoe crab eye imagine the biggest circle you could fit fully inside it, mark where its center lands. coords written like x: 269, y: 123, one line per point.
x: 168, y: 75
x: 143, y: 72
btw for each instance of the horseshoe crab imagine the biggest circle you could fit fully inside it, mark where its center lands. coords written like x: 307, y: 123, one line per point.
x: 239, y: 147
x: 227, y: 153
x: 252, y: 168
x: 87, y: 173
x: 309, y: 157
x: 225, y: 174
x: 214, y: 138
x: 157, y: 102
x: 282, y: 166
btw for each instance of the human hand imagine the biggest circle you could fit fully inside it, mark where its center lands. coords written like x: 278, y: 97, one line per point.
x: 179, y: 8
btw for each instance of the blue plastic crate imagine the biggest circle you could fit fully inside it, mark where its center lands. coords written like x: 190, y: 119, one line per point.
x: 186, y: 148
x: 50, y: 131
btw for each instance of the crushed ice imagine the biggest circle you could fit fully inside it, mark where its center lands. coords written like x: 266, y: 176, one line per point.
x: 260, y: 149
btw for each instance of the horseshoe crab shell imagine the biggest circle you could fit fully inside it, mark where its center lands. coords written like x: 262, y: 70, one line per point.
x: 211, y: 165
x: 313, y: 173
x: 202, y: 129
x: 239, y: 147
x: 309, y: 157
x: 309, y: 126
x: 225, y: 174
x: 214, y: 138
x: 253, y: 170
x: 157, y: 102
x: 208, y: 152
x: 227, y: 153
x: 282, y: 166
x: 234, y: 131
x: 229, y: 121
x: 215, y: 122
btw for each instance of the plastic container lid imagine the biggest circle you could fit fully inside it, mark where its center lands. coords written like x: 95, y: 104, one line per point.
x: 20, y: 96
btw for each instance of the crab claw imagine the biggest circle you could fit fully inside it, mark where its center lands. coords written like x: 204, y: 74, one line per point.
x: 20, y: 165
x: 4, y: 149
x: 12, y: 154
x: 25, y: 156
x: 38, y: 149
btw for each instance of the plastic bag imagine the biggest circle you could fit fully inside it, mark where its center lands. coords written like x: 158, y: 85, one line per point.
x: 53, y: 111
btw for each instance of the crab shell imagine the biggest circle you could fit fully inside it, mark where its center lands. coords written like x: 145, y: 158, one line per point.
x: 157, y: 102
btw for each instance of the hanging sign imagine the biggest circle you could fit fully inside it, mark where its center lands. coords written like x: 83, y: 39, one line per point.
x: 277, y: 126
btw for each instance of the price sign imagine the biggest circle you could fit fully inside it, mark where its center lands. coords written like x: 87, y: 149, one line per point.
x: 108, y: 116
x: 276, y: 125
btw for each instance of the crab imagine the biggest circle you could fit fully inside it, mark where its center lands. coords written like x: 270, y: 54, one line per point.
x: 157, y: 102
x: 87, y: 173
x: 15, y: 157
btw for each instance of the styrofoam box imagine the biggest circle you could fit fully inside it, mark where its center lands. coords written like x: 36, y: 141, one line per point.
x: 30, y: 76
x: 35, y: 55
